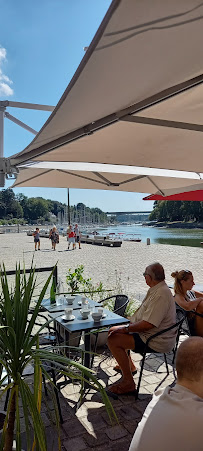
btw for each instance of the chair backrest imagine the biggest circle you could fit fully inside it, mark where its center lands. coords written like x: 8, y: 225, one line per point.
x: 188, y: 326
x: 121, y: 303
x: 177, y: 326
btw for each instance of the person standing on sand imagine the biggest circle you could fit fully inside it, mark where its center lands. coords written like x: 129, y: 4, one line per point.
x: 77, y: 235
x: 54, y: 237
x: 70, y: 237
x: 36, y: 238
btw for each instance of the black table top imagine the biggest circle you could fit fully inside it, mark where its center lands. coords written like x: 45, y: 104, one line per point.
x: 60, y: 308
x: 80, y: 324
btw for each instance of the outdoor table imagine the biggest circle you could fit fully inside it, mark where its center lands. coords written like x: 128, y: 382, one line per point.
x: 86, y: 325
x: 60, y: 308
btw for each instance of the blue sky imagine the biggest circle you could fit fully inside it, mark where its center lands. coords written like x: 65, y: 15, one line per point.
x: 41, y: 46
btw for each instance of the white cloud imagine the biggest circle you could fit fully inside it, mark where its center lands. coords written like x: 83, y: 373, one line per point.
x: 5, y: 82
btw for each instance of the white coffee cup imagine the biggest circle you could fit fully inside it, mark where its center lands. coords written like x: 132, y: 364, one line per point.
x: 70, y: 299
x: 84, y: 313
x: 84, y: 300
x: 68, y: 312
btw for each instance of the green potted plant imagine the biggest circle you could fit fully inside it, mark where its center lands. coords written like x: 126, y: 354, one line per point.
x: 19, y: 347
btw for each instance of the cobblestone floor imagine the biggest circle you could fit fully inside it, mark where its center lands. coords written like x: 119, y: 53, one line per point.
x: 90, y: 428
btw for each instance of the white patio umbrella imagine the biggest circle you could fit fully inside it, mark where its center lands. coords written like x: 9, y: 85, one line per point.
x: 106, y: 177
x: 135, y: 99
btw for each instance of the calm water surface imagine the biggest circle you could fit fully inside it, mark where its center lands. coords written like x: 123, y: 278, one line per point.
x: 181, y: 237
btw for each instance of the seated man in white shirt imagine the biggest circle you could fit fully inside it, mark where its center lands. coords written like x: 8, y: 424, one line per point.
x: 173, y: 419
x: 156, y: 313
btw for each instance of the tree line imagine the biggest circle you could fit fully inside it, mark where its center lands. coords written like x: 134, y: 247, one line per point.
x: 21, y: 209
x: 177, y: 211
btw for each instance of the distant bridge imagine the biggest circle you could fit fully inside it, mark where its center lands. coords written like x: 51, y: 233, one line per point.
x: 128, y: 212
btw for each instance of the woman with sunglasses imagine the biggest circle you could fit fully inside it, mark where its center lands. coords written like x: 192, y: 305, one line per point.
x: 189, y: 300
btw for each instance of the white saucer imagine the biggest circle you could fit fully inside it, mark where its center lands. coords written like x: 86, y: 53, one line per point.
x: 72, y: 317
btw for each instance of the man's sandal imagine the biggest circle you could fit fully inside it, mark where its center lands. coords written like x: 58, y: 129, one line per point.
x: 118, y: 370
x: 118, y: 389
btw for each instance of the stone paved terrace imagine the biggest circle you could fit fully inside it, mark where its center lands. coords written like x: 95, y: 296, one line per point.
x: 90, y: 428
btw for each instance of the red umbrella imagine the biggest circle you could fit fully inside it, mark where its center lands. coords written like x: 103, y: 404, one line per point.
x: 190, y: 195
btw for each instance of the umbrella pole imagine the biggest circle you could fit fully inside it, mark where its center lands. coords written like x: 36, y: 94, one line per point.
x: 68, y: 206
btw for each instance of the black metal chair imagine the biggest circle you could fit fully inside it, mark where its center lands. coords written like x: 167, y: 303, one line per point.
x: 188, y: 326
x: 177, y: 326
x: 121, y: 302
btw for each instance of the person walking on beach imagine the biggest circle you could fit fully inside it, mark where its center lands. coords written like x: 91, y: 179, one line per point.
x: 156, y: 313
x: 77, y: 235
x: 54, y: 237
x: 36, y: 238
x: 70, y: 237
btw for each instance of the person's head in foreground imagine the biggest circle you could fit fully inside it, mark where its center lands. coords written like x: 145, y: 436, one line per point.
x: 54, y: 228
x: 189, y: 365
x: 183, y: 281
x: 173, y: 418
x: 154, y: 274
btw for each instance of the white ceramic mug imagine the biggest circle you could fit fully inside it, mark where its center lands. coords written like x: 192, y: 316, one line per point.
x: 70, y: 300
x: 84, y: 313
x: 68, y: 312
x: 84, y: 301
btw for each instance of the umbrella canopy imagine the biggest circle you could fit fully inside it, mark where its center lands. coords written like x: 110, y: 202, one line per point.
x: 104, y: 176
x: 136, y: 97
x: 191, y: 195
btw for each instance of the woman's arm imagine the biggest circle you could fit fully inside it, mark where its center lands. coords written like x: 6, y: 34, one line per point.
x: 187, y: 305
x: 198, y: 294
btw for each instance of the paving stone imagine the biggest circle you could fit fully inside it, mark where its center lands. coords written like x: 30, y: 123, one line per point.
x: 112, y: 421
x: 95, y: 421
x: 116, y: 432
x: 121, y: 445
x: 75, y: 444
x: 131, y: 426
x: 73, y: 428
x: 100, y: 439
x: 129, y: 413
x: 127, y: 399
x: 141, y: 404
x: 152, y: 379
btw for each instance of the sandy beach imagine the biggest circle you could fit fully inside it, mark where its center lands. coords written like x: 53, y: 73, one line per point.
x: 101, y: 263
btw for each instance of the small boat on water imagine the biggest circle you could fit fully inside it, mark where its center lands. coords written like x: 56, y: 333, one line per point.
x: 135, y: 237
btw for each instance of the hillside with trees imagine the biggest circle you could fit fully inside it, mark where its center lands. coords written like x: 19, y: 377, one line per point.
x: 21, y: 209
x: 169, y: 211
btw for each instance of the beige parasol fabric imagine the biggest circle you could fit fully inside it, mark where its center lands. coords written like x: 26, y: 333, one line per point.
x: 136, y: 98
x: 94, y: 176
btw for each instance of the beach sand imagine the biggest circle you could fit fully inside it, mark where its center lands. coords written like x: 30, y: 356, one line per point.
x: 102, y: 263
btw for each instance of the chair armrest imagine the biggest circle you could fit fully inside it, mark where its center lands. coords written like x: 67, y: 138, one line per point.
x: 196, y: 313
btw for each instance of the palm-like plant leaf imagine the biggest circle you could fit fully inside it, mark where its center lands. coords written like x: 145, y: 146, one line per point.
x: 19, y: 346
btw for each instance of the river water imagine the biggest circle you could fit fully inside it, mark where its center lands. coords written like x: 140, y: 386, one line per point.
x: 181, y: 237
